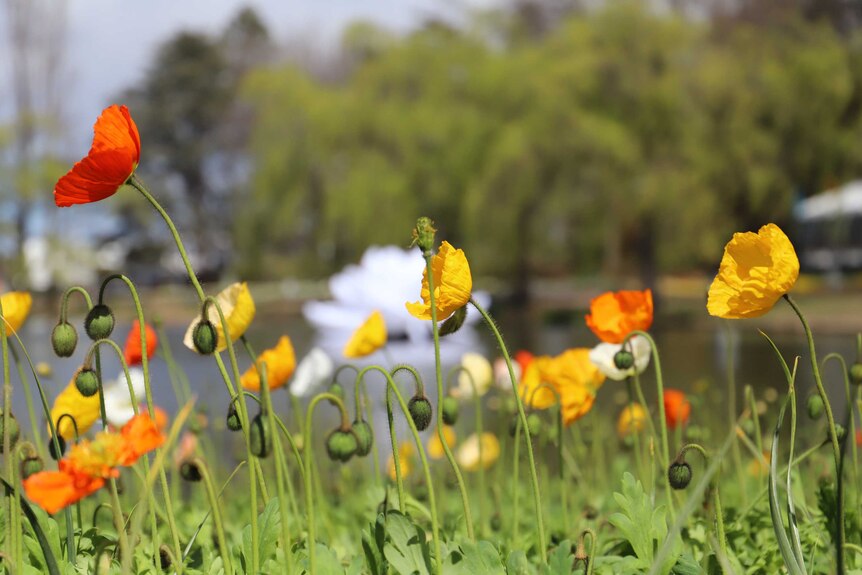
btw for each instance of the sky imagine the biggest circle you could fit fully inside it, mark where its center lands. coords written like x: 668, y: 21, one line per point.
x: 111, y: 42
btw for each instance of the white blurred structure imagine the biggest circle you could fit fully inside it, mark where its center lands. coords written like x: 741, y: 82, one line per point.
x: 830, y: 229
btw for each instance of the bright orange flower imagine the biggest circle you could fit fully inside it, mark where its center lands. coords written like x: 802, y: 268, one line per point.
x: 111, y: 161
x: 133, y: 351
x: 614, y: 315
x: 54, y: 490
x: 280, y: 364
x: 141, y: 434
x: 523, y: 358
x: 676, y: 408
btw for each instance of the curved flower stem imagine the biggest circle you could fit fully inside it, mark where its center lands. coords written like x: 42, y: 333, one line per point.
x: 588, y: 561
x: 12, y: 506
x: 561, y: 471
x: 755, y: 417
x: 438, y: 372
x: 432, y: 503
x: 28, y: 397
x: 719, y: 518
x: 661, y: 415
x: 833, y: 435
x: 396, y: 456
x: 218, y: 523
x: 636, y: 396
x: 309, y: 491
x: 516, y: 478
x: 477, y: 401
x: 537, y: 498
x: 361, y: 404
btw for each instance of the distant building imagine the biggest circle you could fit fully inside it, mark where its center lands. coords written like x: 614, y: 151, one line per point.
x: 829, y: 235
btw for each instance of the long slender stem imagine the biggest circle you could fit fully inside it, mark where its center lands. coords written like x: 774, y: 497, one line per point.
x: 719, y: 518
x: 218, y: 523
x: 28, y: 397
x: 477, y: 402
x: 833, y: 434
x: 534, y: 480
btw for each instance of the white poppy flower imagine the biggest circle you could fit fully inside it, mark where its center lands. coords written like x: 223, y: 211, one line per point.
x: 501, y: 373
x: 479, y: 368
x: 315, y: 369
x: 603, y: 354
x: 118, y: 401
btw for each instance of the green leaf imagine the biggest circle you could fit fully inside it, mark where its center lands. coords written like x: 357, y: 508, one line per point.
x: 268, y: 531
x: 560, y: 560
x: 480, y: 558
x: 406, y: 549
x: 517, y: 564
x: 373, y: 540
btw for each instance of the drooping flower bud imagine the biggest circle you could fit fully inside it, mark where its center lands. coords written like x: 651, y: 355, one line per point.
x: 30, y: 465
x: 454, y: 322
x: 856, y: 374
x: 815, y: 406
x: 534, y: 424
x: 496, y: 522
x: 423, y: 234
x: 840, y: 431
x: 64, y: 339
x: 87, y: 382
x: 14, y: 432
x: 260, y: 436
x: 420, y: 411
x: 99, y: 322
x: 165, y: 560
x: 336, y: 390
x: 679, y: 474
x: 205, y: 337
x: 190, y: 471
x: 52, y: 451
x: 624, y: 360
x: 449, y: 407
x: 364, y: 437
x: 233, y: 421
x: 341, y: 445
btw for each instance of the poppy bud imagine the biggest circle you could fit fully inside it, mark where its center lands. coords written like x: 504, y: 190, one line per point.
x: 815, y: 406
x: 624, y: 360
x: 87, y: 382
x: 856, y: 374
x: 454, y: 322
x: 165, y: 558
x: 30, y: 465
x: 449, y: 406
x: 205, y: 337
x: 423, y: 234
x: 840, y: 431
x: 52, y: 452
x: 336, y: 390
x: 99, y: 322
x: 190, y: 471
x: 420, y: 411
x: 341, y: 445
x: 364, y: 437
x: 64, y: 339
x: 260, y: 436
x: 679, y: 474
x: 496, y: 522
x: 534, y: 424
x: 14, y: 432
x: 233, y: 421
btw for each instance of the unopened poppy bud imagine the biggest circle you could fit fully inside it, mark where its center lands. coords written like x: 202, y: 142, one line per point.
x: 534, y: 424
x: 679, y: 474
x: 364, y: 437
x: 496, y: 522
x: 233, y: 421
x: 423, y: 234
x: 341, y: 445
x: 454, y: 322
x: 190, y: 471
x: 840, y: 431
x: 14, y: 432
x: 449, y: 408
x: 87, y: 382
x: 260, y: 436
x: 30, y: 465
x: 336, y: 390
x: 624, y: 360
x: 420, y: 411
x: 856, y: 374
x: 581, y: 555
x: 815, y: 406
x: 205, y: 337
x: 165, y: 557
x: 64, y: 339
x: 99, y: 322
x: 52, y: 450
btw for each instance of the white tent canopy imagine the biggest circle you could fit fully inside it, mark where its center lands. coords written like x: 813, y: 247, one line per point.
x: 845, y: 200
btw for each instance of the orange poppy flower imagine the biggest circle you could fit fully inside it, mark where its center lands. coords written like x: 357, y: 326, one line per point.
x: 523, y: 358
x: 54, y: 490
x: 614, y: 315
x: 676, y: 408
x: 133, y: 351
x: 280, y: 364
x: 111, y: 161
x: 141, y: 434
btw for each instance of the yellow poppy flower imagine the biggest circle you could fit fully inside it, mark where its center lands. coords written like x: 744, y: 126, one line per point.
x: 368, y: 337
x: 435, y: 446
x: 452, y: 284
x: 16, y: 308
x: 238, y: 308
x: 538, y: 371
x: 576, y: 380
x: 632, y: 420
x: 468, y: 453
x: 755, y: 271
x: 85, y: 411
x: 405, y: 458
x: 280, y: 363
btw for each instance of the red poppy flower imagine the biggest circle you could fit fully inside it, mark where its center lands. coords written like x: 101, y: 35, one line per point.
x: 133, y: 350
x: 676, y: 408
x: 111, y: 161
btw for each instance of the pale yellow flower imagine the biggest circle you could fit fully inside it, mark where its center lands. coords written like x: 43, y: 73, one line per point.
x: 435, y: 446
x: 632, y: 420
x: 238, y: 308
x: 476, y: 367
x: 406, y: 451
x: 468, y: 454
x: 368, y: 337
x: 16, y: 308
x: 453, y: 284
x: 756, y: 270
